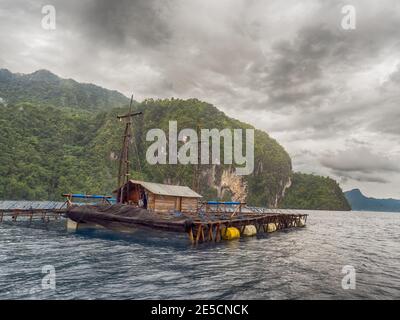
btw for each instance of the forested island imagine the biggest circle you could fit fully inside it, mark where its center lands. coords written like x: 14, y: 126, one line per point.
x: 58, y: 135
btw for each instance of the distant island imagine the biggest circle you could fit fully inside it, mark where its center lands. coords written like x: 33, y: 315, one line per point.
x: 359, y: 202
x: 314, y: 192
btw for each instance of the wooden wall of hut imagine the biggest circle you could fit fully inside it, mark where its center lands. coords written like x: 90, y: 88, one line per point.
x: 189, y: 204
x: 132, y: 193
x: 151, y: 201
x: 164, y: 204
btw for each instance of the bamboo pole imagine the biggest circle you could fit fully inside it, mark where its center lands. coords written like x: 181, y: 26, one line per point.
x: 190, y: 233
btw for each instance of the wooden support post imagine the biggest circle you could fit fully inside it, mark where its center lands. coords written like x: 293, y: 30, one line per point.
x: 226, y: 229
x: 210, y: 232
x: 1, y: 216
x: 72, y: 225
x: 199, y: 230
x: 190, y: 233
x: 217, y: 233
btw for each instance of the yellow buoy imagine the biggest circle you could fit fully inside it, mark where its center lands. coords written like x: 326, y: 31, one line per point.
x: 72, y: 225
x: 301, y: 223
x: 249, y: 230
x: 270, y: 227
x: 230, y: 234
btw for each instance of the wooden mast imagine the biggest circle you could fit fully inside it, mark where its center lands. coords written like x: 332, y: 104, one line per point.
x: 124, y: 163
x: 196, y: 171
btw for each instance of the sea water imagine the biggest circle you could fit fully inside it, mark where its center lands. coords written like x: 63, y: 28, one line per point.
x: 303, y: 263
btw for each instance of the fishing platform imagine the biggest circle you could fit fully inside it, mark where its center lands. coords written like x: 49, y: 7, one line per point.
x: 201, y: 221
x: 148, y: 205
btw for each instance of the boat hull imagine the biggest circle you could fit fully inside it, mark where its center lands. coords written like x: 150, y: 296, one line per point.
x: 123, y: 218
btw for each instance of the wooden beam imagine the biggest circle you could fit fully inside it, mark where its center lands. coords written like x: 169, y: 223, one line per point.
x: 190, y: 233
x: 131, y: 114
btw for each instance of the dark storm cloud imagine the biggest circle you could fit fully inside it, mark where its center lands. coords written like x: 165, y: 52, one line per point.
x: 285, y: 66
x: 117, y: 22
x: 295, y: 74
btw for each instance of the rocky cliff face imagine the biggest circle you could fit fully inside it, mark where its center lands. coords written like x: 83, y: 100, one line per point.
x: 280, y: 196
x: 233, y: 187
x: 234, y: 184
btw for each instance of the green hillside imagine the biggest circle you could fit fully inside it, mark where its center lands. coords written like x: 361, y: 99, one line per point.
x: 314, y: 192
x: 46, y: 89
x: 48, y: 151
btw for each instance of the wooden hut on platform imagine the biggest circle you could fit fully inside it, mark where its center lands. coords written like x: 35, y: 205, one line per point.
x: 157, y: 197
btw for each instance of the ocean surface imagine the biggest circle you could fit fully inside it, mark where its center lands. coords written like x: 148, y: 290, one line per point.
x: 305, y: 263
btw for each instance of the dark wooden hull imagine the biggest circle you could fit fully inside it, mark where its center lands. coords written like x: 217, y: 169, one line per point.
x: 126, y: 217
x: 199, y: 228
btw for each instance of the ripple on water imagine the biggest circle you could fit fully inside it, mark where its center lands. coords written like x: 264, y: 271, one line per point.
x: 300, y: 264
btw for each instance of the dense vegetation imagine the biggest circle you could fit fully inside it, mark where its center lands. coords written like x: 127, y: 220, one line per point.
x: 60, y: 136
x: 314, y: 192
x: 43, y: 88
x: 50, y: 151
x: 44, y: 152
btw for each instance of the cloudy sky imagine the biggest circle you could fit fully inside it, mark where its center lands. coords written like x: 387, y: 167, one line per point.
x: 329, y: 95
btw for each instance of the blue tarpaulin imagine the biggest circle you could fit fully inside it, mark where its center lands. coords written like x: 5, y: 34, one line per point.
x: 88, y: 196
x: 223, y: 202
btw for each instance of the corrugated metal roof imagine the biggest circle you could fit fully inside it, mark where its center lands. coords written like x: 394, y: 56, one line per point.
x: 26, y: 205
x: 168, y: 190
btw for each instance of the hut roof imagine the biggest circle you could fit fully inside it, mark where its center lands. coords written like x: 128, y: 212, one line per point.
x: 168, y: 189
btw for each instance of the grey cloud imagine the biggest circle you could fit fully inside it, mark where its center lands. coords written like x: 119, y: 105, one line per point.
x: 387, y: 122
x: 360, y: 160
x: 395, y: 77
x: 360, y: 177
x: 286, y: 67
x: 295, y: 76
x: 118, y: 24
x: 361, y: 165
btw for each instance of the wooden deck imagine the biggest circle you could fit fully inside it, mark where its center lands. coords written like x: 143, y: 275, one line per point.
x: 212, y: 230
x: 31, y: 210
